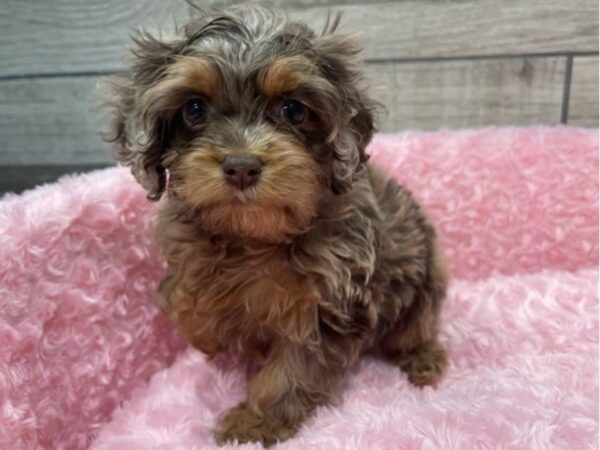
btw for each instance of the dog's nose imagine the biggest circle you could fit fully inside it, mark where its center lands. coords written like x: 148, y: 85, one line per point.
x: 242, y: 171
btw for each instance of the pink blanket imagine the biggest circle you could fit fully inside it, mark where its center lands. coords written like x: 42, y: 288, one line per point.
x: 87, y: 360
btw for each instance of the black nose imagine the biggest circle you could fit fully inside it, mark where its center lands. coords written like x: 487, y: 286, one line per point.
x: 242, y: 171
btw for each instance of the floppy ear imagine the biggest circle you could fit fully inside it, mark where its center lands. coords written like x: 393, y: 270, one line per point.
x: 137, y: 141
x: 356, y: 116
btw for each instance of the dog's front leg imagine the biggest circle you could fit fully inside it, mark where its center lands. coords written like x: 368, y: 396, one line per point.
x: 291, y: 384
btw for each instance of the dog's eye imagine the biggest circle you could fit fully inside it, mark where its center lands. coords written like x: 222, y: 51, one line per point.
x: 194, y: 111
x: 293, y: 111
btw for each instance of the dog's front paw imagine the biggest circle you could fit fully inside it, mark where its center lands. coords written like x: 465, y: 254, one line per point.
x: 243, y: 425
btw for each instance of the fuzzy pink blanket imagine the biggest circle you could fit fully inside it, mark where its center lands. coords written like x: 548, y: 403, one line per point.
x: 87, y: 360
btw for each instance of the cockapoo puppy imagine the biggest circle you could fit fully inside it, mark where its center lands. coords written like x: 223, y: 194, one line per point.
x: 282, y: 243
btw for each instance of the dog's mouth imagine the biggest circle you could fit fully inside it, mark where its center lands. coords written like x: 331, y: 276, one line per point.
x: 246, y: 196
x: 248, y: 217
x: 260, y: 212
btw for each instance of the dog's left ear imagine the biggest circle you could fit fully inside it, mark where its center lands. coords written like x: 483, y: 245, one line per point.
x: 355, y: 121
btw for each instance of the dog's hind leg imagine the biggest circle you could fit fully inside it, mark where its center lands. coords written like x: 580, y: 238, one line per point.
x: 412, y: 342
x: 425, y: 363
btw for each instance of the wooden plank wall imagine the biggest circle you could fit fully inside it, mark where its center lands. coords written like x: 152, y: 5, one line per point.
x: 434, y: 64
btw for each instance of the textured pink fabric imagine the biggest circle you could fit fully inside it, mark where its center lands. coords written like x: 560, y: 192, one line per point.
x: 509, y: 201
x: 79, y: 329
x: 80, y: 332
x: 523, y: 370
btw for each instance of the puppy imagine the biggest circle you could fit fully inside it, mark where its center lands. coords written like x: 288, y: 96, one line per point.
x: 282, y: 243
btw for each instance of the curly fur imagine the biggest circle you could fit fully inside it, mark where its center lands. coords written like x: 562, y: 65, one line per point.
x: 324, y: 259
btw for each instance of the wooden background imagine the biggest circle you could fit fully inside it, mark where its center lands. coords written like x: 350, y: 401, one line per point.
x: 433, y: 63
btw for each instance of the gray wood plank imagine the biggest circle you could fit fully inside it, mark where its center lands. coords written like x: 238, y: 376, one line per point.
x: 293, y: 3
x: 583, y: 102
x: 48, y: 121
x: 16, y: 179
x: 458, y: 94
x: 38, y: 36
x: 409, y: 29
x: 91, y: 36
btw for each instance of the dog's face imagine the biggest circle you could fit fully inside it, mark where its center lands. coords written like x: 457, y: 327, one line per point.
x: 256, y: 120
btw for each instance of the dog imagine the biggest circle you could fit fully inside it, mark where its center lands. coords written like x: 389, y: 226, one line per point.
x: 282, y: 242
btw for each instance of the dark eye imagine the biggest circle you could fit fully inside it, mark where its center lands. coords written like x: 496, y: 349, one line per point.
x: 194, y: 111
x: 293, y: 111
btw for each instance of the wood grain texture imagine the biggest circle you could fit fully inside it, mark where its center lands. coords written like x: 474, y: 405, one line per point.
x: 288, y: 4
x: 91, y: 36
x: 16, y: 179
x: 410, y: 29
x: 583, y: 103
x: 48, y: 121
x: 459, y: 94
x: 38, y: 36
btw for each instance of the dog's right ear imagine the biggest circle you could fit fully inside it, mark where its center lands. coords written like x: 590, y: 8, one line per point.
x: 138, y: 140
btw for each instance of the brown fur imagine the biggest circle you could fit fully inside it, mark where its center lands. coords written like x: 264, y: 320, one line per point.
x: 285, y: 75
x: 192, y: 74
x: 325, y: 258
x: 282, y: 206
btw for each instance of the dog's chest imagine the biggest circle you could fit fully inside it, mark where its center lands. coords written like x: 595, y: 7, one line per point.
x: 242, y: 297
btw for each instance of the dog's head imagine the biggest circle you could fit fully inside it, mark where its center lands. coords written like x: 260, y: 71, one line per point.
x: 254, y: 120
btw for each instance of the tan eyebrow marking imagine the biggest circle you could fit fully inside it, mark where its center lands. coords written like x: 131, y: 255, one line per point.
x: 285, y: 74
x: 196, y: 74
x: 184, y: 75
